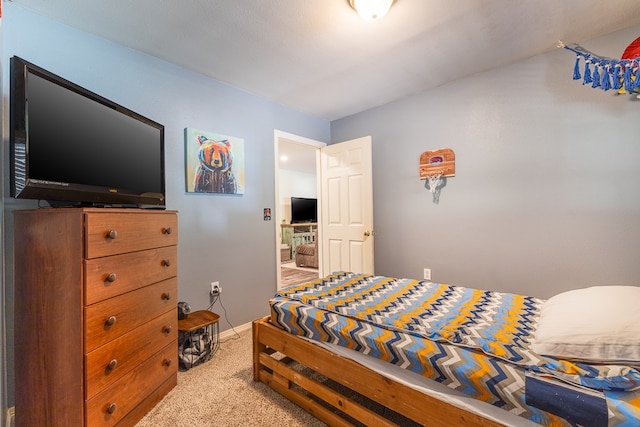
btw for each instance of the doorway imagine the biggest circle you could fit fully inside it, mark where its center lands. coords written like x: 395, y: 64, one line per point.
x: 297, y: 174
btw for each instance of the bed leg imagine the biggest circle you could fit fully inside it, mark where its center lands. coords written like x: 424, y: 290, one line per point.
x: 258, y: 348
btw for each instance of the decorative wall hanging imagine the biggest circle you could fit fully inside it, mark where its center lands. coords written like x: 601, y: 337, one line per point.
x: 435, y: 167
x: 622, y: 75
x: 215, y: 163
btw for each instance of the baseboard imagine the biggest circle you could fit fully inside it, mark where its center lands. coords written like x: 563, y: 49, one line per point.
x: 231, y: 332
x: 11, y: 417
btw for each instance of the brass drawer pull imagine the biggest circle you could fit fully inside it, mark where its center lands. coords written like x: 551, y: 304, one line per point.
x: 166, y: 231
x: 110, y: 321
x: 166, y: 262
x: 166, y: 296
x: 167, y: 329
x: 111, y: 278
x: 112, y: 234
x: 112, y: 365
x: 111, y: 408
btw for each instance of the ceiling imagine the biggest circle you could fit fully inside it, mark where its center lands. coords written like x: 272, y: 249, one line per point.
x: 321, y: 58
x: 296, y: 157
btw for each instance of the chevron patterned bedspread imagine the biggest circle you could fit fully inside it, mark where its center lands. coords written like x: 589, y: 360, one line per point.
x: 474, y: 341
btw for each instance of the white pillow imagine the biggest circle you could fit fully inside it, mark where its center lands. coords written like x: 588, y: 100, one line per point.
x: 600, y: 324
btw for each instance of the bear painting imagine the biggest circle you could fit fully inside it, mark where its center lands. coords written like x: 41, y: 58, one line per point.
x: 214, y: 174
x: 214, y: 163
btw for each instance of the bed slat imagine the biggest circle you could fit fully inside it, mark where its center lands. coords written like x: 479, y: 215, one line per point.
x: 305, y: 402
x: 412, y: 404
x: 323, y: 392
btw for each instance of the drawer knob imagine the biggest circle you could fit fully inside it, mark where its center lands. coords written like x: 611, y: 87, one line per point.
x: 167, y: 329
x: 112, y: 234
x: 110, y: 321
x: 111, y: 278
x: 112, y: 365
x: 166, y: 296
x: 166, y: 231
x: 167, y: 362
x: 166, y: 262
x: 111, y: 408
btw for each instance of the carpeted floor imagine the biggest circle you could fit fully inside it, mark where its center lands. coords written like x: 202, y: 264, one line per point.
x: 221, y: 392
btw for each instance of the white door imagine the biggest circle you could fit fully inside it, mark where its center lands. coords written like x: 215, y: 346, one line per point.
x: 347, y: 206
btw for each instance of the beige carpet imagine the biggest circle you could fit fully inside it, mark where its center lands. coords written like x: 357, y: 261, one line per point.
x: 221, y: 392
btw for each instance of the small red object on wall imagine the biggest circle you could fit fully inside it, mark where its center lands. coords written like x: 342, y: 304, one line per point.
x: 633, y: 50
x: 442, y: 161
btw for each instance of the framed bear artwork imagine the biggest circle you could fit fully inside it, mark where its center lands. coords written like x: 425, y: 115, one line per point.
x: 214, y: 162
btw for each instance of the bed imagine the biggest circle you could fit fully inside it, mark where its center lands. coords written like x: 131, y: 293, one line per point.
x: 346, y: 345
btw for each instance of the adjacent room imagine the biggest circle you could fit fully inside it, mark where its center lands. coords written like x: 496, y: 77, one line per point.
x: 311, y: 213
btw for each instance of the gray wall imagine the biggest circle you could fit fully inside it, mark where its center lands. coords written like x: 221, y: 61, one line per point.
x: 222, y: 237
x: 545, y: 196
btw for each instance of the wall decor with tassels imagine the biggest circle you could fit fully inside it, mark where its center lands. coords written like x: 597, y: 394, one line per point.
x: 435, y: 167
x: 622, y: 75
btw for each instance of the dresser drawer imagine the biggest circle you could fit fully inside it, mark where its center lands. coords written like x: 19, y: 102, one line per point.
x: 107, y: 320
x: 128, y: 351
x: 113, y: 403
x: 117, y: 233
x: 117, y: 274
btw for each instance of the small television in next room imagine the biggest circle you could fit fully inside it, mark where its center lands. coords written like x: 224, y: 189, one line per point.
x: 72, y: 147
x: 304, y: 210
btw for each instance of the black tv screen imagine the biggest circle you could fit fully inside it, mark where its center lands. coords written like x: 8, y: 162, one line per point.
x: 72, y: 146
x: 304, y: 210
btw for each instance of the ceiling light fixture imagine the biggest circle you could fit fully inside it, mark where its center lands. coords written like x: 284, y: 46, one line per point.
x: 371, y: 10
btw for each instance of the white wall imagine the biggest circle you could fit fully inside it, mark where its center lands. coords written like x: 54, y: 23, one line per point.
x: 294, y: 184
x: 545, y: 196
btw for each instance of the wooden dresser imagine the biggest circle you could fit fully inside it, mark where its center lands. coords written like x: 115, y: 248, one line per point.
x: 96, y: 323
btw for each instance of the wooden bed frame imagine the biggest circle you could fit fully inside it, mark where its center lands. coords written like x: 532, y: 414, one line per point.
x: 278, y: 374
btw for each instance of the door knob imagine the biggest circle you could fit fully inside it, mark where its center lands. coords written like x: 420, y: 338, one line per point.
x: 367, y: 233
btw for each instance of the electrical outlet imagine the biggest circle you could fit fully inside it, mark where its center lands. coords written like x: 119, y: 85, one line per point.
x: 427, y: 274
x: 216, y: 289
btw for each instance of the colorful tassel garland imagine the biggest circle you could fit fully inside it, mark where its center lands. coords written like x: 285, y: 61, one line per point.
x: 576, y: 69
x: 622, y: 75
x: 587, y: 73
x: 627, y: 78
x: 606, y: 78
x: 617, y: 80
x: 596, y: 76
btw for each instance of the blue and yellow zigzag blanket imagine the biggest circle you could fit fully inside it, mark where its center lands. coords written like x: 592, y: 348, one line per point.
x: 499, y: 324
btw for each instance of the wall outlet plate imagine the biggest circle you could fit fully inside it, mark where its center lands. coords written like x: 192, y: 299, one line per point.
x: 427, y: 274
x: 216, y: 289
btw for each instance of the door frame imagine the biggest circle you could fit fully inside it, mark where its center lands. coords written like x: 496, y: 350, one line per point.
x: 279, y: 135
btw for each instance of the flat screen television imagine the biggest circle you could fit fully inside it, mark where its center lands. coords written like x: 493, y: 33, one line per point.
x: 70, y: 146
x: 304, y: 210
